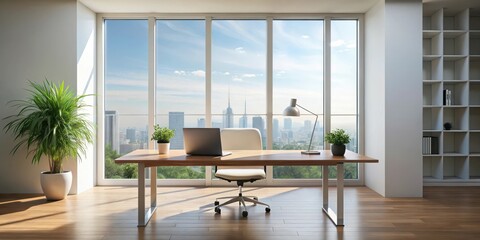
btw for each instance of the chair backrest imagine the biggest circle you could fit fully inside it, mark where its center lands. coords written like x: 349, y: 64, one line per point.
x: 241, y: 139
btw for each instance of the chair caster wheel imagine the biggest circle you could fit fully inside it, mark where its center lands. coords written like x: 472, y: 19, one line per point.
x: 216, y: 203
x: 244, y: 213
x: 218, y: 210
x: 267, y: 209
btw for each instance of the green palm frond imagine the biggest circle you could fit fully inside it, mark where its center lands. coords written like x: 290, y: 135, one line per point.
x: 49, y: 124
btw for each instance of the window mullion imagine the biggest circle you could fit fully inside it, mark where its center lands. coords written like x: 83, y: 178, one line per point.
x: 208, y: 87
x: 151, y: 78
x: 269, y: 93
x: 326, y: 79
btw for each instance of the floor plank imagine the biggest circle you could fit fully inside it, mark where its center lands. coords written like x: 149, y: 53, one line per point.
x: 187, y: 213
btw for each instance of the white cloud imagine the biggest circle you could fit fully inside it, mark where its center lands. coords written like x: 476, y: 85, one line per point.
x: 337, y: 43
x: 237, y: 79
x: 249, y: 75
x: 226, y: 73
x: 180, y: 72
x: 239, y: 50
x: 352, y: 45
x: 305, y: 36
x: 199, y: 73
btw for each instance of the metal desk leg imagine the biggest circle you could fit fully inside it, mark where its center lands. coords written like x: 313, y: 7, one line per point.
x: 325, y: 186
x: 337, y: 218
x: 144, y: 216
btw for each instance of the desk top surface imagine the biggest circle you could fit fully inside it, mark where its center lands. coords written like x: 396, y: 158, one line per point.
x: 241, y: 158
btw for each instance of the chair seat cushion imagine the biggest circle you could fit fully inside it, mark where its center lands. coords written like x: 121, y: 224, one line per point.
x: 240, y: 174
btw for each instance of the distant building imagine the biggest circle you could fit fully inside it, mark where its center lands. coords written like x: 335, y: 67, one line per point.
x: 275, y: 130
x: 176, y: 121
x: 243, y: 123
x: 201, y: 122
x: 111, y: 130
x: 307, y: 125
x: 228, y: 115
x: 287, y: 124
x: 257, y: 122
x: 132, y: 135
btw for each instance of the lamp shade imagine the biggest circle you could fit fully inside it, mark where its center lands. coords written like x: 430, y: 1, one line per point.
x: 292, y: 110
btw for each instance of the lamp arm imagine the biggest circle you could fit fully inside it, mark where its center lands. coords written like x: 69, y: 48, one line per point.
x: 314, y: 125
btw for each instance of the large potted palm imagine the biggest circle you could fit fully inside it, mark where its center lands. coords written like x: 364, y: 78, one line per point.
x: 50, y: 125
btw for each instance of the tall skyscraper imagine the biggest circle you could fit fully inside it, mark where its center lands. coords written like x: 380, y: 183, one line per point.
x: 132, y: 135
x: 176, y: 121
x: 228, y: 115
x: 243, y: 123
x: 201, y: 122
x: 287, y: 124
x: 111, y: 130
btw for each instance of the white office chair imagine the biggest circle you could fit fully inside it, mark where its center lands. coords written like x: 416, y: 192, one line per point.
x: 240, y: 139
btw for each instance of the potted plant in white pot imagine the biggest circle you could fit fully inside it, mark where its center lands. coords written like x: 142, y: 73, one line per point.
x: 50, y: 124
x: 162, y: 135
x: 338, y: 138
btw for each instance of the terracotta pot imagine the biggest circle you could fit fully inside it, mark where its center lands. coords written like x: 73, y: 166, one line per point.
x: 163, y: 148
x: 56, y: 185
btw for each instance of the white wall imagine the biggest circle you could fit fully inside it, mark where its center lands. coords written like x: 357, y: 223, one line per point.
x: 86, y: 81
x: 393, y: 85
x: 375, y: 96
x: 403, y: 96
x: 38, y: 40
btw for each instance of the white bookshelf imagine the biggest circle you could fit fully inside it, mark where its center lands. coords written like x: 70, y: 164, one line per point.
x: 451, y: 60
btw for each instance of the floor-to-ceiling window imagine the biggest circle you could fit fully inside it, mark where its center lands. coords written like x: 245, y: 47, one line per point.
x: 214, y: 72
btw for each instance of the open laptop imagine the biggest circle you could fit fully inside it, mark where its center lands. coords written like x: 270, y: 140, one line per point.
x: 203, y: 141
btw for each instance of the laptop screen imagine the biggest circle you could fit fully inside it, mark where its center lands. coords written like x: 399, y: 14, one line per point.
x: 203, y: 141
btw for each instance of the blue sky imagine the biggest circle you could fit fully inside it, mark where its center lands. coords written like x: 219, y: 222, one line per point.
x: 238, y: 65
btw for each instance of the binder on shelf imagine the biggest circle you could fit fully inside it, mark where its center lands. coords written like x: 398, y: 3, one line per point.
x: 430, y: 145
x: 447, y: 97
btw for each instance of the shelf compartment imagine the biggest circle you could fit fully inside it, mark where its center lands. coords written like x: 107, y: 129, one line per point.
x: 432, y: 93
x: 474, y: 143
x: 474, y: 19
x: 458, y: 117
x: 459, y: 93
x: 432, y: 118
x: 455, y: 69
x: 432, y: 167
x: 455, y: 143
x: 434, y: 21
x: 455, y: 20
x: 432, y: 45
x: 455, y: 43
x: 474, y: 94
x: 474, y: 118
x: 474, y: 166
x: 474, y: 43
x: 455, y: 168
x: 474, y: 69
x: 432, y: 68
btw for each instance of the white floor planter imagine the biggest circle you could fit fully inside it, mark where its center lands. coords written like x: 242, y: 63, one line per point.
x: 56, y: 186
x: 163, y: 148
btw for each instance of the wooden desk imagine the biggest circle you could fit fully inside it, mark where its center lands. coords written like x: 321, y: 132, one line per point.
x: 151, y: 159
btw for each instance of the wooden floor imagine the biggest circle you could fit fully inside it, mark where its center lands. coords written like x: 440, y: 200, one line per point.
x: 187, y: 213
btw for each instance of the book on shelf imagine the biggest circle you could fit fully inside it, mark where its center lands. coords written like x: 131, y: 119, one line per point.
x: 447, y: 97
x: 430, y: 145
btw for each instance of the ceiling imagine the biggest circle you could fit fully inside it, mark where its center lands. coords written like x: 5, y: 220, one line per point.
x: 229, y: 6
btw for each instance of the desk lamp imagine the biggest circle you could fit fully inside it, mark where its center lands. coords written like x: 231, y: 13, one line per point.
x: 293, y: 111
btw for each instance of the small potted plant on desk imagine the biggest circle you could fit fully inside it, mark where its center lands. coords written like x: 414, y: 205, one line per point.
x: 162, y: 135
x: 338, y: 138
